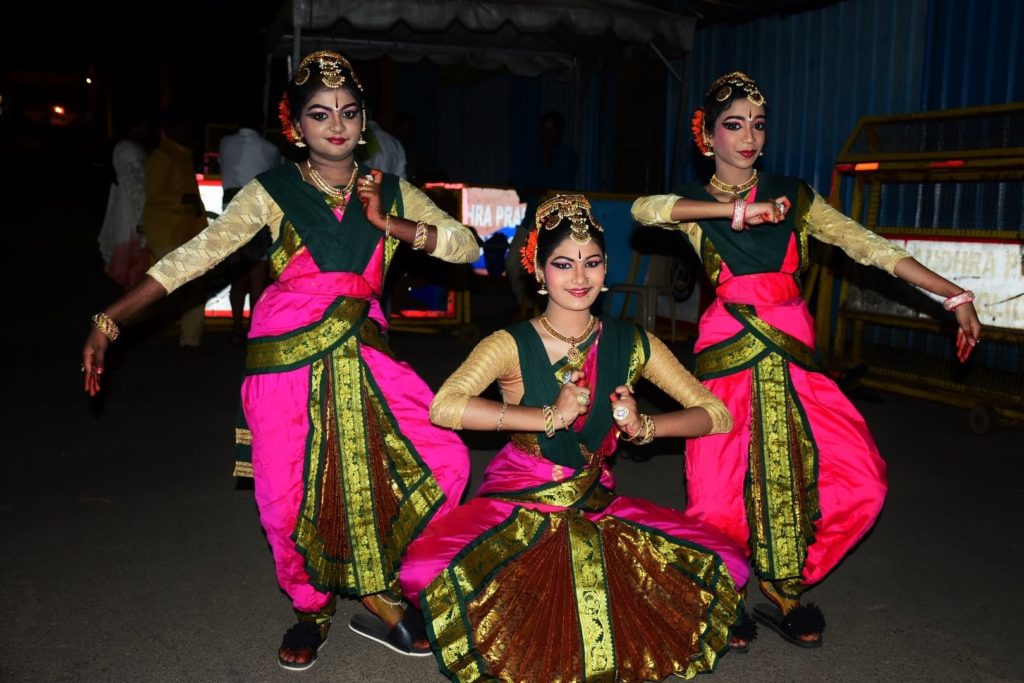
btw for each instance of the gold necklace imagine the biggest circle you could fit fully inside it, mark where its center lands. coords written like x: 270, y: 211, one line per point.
x: 573, y: 354
x: 326, y: 187
x: 734, y: 190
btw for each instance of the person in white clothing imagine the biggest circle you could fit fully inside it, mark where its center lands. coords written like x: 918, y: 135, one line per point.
x: 384, y: 151
x: 243, y: 156
x: 121, y: 244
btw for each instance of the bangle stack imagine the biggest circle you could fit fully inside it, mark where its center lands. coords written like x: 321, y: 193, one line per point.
x: 420, y: 240
x: 549, y: 421
x: 103, y: 323
x: 964, y: 297
x: 739, y: 215
x: 648, y: 430
x: 501, y: 416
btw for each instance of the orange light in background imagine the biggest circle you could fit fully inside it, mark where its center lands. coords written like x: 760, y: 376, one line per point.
x: 867, y: 166
x: 58, y: 110
x: 443, y: 186
x: 952, y: 163
x: 843, y: 168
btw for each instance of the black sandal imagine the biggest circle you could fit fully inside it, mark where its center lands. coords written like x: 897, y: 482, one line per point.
x: 802, y: 620
x: 401, y: 638
x: 302, y: 638
x: 745, y: 630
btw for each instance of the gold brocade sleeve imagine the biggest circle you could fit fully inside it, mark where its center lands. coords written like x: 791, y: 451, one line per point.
x: 656, y: 211
x: 862, y: 245
x: 250, y: 210
x: 668, y: 374
x: 495, y: 357
x: 455, y: 242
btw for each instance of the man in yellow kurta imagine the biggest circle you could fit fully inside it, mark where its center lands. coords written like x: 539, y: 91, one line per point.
x: 174, y: 212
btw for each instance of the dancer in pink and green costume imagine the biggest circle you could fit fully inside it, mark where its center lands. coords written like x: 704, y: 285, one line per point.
x: 799, y: 480
x: 347, y: 467
x: 547, y: 574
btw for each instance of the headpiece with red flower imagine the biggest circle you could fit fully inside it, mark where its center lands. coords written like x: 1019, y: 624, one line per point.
x: 334, y: 72
x: 572, y: 207
x: 700, y: 137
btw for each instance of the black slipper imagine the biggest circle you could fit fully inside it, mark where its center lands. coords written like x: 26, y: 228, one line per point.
x: 304, y: 635
x: 400, y: 638
x: 801, y: 620
x: 745, y: 629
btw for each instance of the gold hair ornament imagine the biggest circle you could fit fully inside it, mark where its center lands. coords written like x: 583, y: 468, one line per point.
x: 722, y: 88
x: 335, y: 72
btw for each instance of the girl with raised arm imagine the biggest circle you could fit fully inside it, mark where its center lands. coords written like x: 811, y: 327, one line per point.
x: 347, y: 466
x: 798, y: 480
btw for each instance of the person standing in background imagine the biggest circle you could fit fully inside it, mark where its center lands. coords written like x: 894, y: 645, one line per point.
x: 173, y: 212
x: 384, y: 151
x: 243, y: 156
x: 551, y: 166
x: 122, y: 246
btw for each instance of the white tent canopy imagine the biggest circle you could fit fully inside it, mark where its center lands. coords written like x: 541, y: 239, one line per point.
x: 527, y: 37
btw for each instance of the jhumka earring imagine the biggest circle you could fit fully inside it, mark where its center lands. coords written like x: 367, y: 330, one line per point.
x: 362, y: 133
x: 603, y: 288
x: 543, y: 289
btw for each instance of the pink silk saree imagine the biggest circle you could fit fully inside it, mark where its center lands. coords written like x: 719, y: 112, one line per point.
x: 347, y: 466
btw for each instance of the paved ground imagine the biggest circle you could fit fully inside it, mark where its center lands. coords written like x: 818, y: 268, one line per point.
x: 130, y: 555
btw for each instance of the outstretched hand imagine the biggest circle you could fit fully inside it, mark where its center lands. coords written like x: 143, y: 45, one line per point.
x: 92, y: 360
x: 969, y: 334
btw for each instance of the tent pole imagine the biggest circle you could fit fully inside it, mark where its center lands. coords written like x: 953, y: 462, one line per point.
x: 679, y: 79
x: 266, y: 89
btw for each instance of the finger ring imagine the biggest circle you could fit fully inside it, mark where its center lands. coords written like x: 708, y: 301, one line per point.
x: 582, y: 398
x: 620, y: 413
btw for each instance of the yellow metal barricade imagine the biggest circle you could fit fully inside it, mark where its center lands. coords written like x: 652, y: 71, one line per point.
x: 948, y: 186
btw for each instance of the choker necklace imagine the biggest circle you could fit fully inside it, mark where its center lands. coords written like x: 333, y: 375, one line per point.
x: 734, y: 190
x: 573, y: 354
x: 326, y: 187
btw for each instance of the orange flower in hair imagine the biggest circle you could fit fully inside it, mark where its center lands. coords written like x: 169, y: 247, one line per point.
x: 529, y: 253
x: 697, y: 128
x: 284, y: 115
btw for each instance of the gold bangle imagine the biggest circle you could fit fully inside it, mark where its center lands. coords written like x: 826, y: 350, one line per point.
x: 648, y: 429
x: 549, y: 421
x: 387, y: 226
x: 420, y: 240
x: 103, y: 323
x: 501, y: 416
x: 565, y: 425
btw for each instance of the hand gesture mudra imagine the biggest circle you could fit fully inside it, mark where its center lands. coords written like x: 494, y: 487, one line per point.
x: 573, y: 400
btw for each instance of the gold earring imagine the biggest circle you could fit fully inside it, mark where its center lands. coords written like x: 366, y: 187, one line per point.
x: 603, y: 288
x: 542, y: 291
